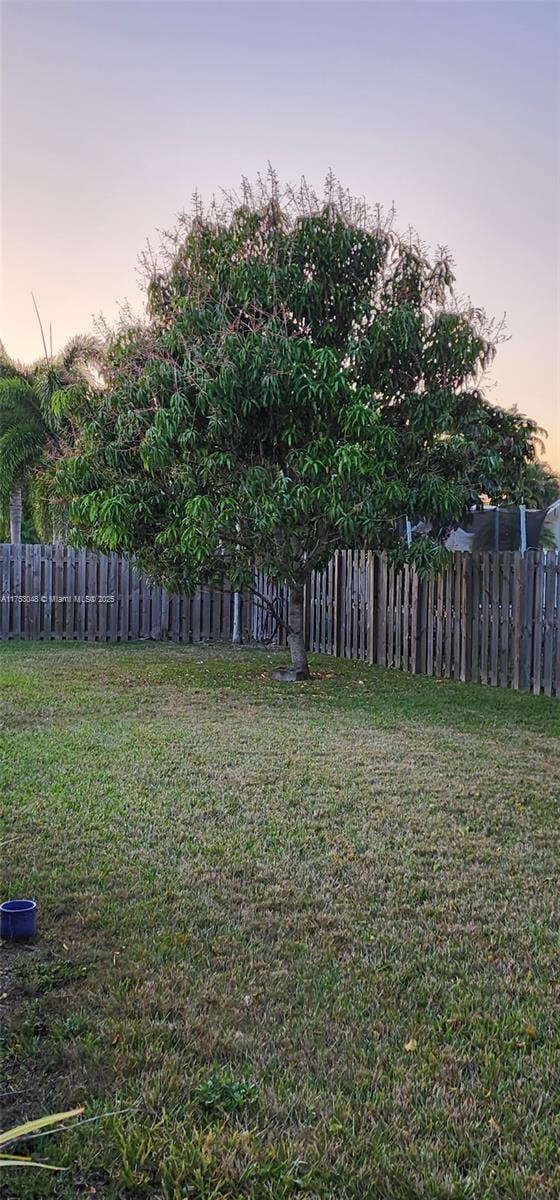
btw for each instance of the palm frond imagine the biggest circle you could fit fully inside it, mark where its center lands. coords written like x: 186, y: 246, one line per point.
x: 18, y: 401
x: 20, y: 450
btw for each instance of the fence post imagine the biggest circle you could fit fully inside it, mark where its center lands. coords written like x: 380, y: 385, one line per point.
x: 372, y: 604
x: 339, y: 604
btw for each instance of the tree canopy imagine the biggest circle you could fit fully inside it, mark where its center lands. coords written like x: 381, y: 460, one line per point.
x: 305, y: 379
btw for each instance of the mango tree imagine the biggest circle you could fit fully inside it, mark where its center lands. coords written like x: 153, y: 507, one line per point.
x: 304, y: 380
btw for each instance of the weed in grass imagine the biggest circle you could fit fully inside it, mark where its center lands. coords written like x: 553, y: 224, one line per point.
x: 220, y: 1094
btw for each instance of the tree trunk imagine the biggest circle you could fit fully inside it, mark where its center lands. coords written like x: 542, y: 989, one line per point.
x: 58, y: 526
x: 16, y: 508
x: 296, y: 640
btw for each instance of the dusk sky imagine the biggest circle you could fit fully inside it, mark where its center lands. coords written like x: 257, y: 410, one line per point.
x: 114, y: 113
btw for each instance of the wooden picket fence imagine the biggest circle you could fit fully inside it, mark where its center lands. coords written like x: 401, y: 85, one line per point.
x: 55, y: 592
x: 491, y: 618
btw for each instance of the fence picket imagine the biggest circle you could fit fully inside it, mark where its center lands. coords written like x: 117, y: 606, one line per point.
x: 494, y: 617
x: 123, y: 600
x: 37, y: 591
x: 398, y: 618
x: 390, y: 660
x: 519, y: 592
x: 466, y: 601
x: 382, y: 612
x: 457, y: 599
x: 414, y: 631
x: 14, y: 581
x: 186, y: 629
x: 440, y: 584
x: 527, y: 639
x: 113, y: 592
x: 70, y: 591
x: 406, y: 618
x: 556, y: 644
x: 550, y: 579
x: 504, y: 568
x: 538, y: 624
x: 425, y: 624
x: 8, y: 604
x: 102, y: 606
x: 81, y: 585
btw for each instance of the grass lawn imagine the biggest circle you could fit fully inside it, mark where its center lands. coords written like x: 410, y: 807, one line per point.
x: 303, y: 937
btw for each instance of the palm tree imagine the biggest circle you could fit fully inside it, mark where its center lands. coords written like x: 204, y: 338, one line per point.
x: 539, y: 485
x: 35, y: 425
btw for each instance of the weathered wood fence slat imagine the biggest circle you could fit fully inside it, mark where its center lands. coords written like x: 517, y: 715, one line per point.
x: 490, y: 618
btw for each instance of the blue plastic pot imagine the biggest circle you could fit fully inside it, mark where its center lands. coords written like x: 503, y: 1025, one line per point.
x: 18, y: 919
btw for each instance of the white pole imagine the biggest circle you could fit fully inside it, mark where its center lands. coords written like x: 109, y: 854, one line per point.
x: 236, y: 631
x: 522, y: 528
